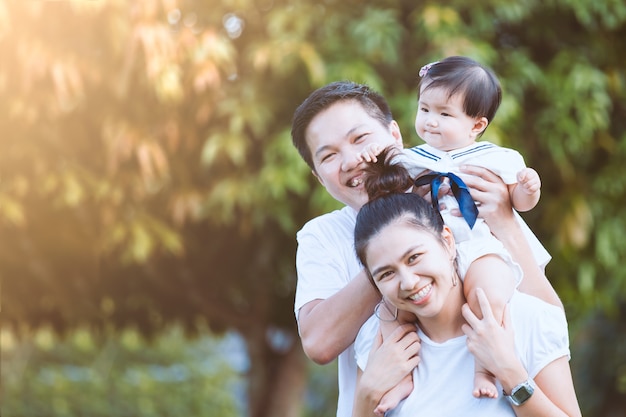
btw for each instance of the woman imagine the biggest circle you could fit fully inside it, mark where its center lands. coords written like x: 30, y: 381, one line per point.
x: 410, y: 255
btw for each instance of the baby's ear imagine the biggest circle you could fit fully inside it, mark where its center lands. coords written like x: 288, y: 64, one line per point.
x: 480, y: 125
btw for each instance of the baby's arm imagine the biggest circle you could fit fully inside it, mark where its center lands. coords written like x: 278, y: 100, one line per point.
x: 492, y: 274
x: 525, y: 194
x: 370, y: 152
x: 496, y: 278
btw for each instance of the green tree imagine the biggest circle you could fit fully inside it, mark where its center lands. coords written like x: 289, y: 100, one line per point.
x: 147, y: 175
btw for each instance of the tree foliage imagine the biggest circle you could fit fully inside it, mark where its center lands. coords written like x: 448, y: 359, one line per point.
x: 123, y: 376
x: 147, y: 174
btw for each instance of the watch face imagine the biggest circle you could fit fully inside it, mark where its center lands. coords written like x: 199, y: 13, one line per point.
x: 522, y: 393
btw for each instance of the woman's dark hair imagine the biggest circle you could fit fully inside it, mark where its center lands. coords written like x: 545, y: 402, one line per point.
x: 386, y: 183
x: 478, y: 84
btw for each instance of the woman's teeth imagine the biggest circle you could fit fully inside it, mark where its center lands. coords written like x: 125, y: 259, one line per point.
x: 421, y: 293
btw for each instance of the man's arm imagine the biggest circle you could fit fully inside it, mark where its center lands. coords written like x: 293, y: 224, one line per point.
x: 327, y: 327
x: 495, y: 207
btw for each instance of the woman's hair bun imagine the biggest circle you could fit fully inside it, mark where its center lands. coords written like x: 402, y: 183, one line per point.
x: 386, y: 177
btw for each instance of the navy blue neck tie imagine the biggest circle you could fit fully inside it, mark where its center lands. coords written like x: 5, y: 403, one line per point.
x: 459, y: 190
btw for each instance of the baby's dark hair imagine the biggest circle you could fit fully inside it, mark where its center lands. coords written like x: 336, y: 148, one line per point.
x: 387, y: 183
x: 478, y: 84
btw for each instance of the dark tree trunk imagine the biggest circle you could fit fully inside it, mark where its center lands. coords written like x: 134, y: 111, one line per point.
x: 277, y: 379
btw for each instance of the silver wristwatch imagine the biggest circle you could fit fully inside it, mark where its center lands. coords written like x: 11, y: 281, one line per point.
x: 521, y: 393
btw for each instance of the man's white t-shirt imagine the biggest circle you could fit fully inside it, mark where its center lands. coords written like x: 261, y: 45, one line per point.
x: 444, y: 379
x: 326, y: 262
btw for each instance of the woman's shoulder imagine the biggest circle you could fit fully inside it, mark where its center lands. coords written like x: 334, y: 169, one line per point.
x: 541, y: 332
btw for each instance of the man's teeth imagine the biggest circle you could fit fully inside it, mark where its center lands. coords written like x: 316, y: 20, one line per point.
x: 420, y: 294
x: 356, y: 182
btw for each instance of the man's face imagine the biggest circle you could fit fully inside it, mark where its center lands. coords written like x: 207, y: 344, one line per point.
x: 335, y: 137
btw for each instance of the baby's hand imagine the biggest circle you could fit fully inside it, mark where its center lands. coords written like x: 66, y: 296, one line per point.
x: 370, y: 152
x: 528, y: 178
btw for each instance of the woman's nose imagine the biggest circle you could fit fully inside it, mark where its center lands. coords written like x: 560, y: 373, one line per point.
x: 408, y: 280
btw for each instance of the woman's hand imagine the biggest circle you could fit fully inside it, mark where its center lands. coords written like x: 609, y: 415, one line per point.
x: 390, y: 361
x: 492, y: 345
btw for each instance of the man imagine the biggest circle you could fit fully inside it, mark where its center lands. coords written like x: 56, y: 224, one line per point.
x: 334, y: 296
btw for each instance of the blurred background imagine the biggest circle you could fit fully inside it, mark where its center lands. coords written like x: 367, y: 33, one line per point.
x: 150, y: 194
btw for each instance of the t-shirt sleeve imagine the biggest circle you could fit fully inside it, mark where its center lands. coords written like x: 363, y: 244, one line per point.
x: 542, y: 256
x: 325, y: 261
x: 547, y: 337
x: 365, y: 340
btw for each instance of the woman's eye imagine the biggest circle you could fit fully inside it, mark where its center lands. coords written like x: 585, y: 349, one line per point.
x: 384, y: 275
x: 413, y: 258
x: 327, y: 157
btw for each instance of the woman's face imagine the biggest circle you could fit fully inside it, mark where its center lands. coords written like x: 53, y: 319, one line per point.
x: 412, y: 268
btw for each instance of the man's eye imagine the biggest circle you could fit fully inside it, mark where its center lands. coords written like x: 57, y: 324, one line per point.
x: 360, y: 137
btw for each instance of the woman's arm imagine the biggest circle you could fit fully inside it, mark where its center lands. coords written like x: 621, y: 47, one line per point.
x: 491, y: 193
x: 493, y: 346
x: 388, y: 363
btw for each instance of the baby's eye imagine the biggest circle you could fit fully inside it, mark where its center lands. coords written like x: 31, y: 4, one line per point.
x: 445, y: 114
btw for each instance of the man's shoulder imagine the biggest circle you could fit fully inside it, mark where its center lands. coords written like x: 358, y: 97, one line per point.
x: 531, y: 309
x: 337, y: 221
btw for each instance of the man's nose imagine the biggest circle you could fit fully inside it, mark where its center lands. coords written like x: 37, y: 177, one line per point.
x: 349, y: 162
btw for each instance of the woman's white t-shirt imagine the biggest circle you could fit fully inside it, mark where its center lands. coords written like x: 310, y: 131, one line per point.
x: 444, y: 379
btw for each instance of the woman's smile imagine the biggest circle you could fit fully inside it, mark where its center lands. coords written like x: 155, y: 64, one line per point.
x: 422, y: 295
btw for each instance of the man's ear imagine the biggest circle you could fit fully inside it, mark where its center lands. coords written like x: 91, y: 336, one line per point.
x: 480, y: 125
x: 318, y: 177
x: 395, y: 132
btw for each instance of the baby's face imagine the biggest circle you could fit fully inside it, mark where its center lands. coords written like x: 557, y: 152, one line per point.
x: 441, y: 121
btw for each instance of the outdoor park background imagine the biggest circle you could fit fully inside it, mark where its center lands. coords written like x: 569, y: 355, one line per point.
x: 150, y: 194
